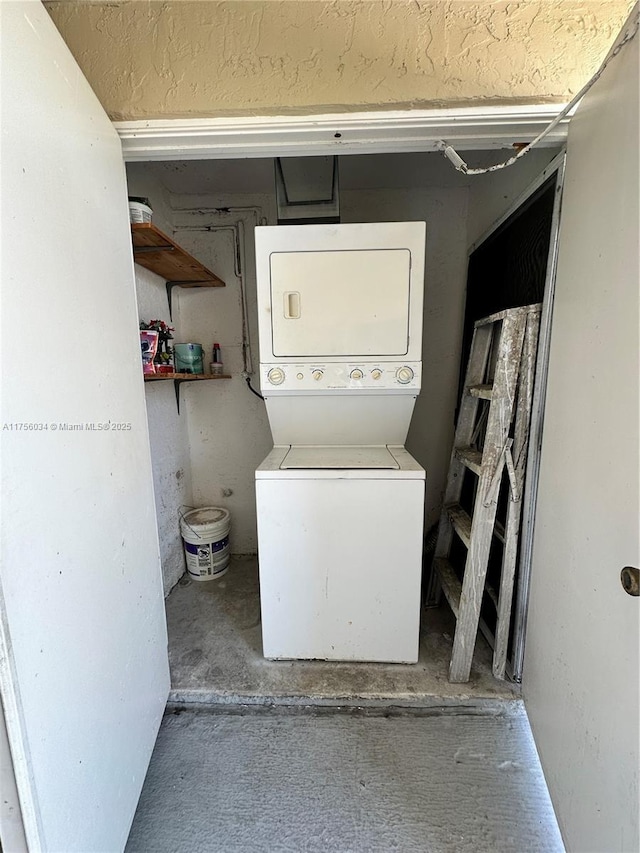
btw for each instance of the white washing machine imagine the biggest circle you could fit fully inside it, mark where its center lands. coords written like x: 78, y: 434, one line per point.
x: 340, y: 502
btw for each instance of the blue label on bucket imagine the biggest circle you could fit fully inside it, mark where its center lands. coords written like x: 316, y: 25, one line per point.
x: 214, y: 546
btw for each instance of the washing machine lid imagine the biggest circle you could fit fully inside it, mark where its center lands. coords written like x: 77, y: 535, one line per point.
x: 339, y: 457
x: 407, y: 468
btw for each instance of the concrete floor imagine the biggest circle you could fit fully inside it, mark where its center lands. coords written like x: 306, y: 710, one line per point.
x: 215, y: 652
x: 308, y: 756
x: 273, y: 781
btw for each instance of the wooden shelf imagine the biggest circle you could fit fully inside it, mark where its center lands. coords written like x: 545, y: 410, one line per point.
x: 179, y: 378
x: 184, y: 377
x: 155, y: 251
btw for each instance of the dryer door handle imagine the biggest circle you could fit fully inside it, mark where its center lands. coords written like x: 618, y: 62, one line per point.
x: 292, y: 305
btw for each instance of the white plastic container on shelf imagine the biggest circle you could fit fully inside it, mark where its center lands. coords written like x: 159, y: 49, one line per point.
x: 139, y: 210
x: 205, y: 534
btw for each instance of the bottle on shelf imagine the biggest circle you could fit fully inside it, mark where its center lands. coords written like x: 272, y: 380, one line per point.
x: 216, y: 359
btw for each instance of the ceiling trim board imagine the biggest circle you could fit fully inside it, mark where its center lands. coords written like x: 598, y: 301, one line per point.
x: 398, y: 131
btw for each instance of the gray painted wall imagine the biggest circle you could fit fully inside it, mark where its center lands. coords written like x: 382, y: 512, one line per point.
x: 168, y: 433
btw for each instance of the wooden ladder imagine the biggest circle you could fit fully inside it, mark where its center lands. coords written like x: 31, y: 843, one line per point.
x: 505, y: 345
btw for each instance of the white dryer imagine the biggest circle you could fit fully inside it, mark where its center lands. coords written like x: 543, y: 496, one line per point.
x: 340, y: 502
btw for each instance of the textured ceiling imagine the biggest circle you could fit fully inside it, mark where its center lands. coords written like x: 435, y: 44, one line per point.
x: 183, y: 58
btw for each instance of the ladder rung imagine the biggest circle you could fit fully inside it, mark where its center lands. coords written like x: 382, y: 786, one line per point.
x: 501, y: 315
x: 470, y: 458
x: 485, y: 392
x: 461, y: 521
x: 451, y: 586
x: 492, y: 318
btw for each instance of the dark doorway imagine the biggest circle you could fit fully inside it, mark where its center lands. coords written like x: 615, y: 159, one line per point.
x: 509, y: 268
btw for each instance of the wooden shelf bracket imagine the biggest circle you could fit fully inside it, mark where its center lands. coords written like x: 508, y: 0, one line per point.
x: 179, y: 378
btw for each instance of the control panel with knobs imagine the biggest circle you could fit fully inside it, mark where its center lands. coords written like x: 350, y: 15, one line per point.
x: 404, y: 375
x: 276, y: 376
x: 371, y: 377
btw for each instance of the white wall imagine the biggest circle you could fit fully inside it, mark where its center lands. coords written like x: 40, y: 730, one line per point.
x: 582, y: 662
x: 229, y: 433
x: 84, y: 674
x: 168, y: 434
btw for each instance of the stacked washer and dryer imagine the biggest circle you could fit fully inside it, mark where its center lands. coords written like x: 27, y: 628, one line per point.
x: 340, y: 502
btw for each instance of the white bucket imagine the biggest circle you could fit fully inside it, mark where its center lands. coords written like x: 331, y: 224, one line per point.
x: 205, y: 534
x: 139, y: 212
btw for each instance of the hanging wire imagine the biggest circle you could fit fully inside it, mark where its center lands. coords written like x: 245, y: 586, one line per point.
x: 247, y: 379
x: 461, y: 166
x: 184, y: 510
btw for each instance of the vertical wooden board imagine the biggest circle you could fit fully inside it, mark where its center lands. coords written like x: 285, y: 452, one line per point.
x: 514, y: 506
x: 475, y: 374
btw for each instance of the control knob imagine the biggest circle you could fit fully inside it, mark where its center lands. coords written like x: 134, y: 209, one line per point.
x: 317, y: 375
x: 356, y: 374
x: 404, y: 375
x: 276, y: 376
x: 376, y: 374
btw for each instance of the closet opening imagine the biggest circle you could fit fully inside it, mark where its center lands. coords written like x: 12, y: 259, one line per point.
x: 206, y: 454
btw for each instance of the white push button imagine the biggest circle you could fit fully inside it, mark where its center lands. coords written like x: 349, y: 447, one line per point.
x: 404, y: 375
x: 356, y: 374
x: 300, y: 376
x: 276, y: 376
